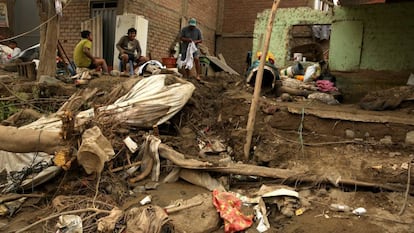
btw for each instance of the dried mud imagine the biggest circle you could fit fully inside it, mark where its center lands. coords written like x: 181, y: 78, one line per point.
x: 319, y: 147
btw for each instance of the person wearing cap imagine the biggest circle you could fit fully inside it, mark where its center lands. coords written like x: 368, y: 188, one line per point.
x: 130, y: 49
x: 83, y: 57
x: 190, y: 34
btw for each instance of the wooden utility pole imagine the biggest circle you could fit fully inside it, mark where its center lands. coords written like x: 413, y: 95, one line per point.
x: 49, y: 33
x: 258, y: 82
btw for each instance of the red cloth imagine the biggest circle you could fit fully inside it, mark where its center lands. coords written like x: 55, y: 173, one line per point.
x: 229, y: 207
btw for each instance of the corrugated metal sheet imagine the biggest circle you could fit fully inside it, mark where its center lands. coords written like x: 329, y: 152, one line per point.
x: 95, y: 26
x: 108, y: 16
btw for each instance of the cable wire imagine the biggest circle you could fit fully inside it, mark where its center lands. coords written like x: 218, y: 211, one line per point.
x: 36, y: 28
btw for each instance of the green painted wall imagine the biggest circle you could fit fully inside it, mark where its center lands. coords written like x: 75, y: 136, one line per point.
x: 285, y: 18
x: 387, y: 37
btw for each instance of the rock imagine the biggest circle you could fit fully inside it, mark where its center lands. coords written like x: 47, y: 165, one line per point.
x: 409, y: 138
x: 115, y: 73
x: 187, y: 132
x: 349, y: 133
x: 286, y: 97
x: 393, y: 154
x: 204, y: 218
x: 267, y: 119
x: 387, y: 140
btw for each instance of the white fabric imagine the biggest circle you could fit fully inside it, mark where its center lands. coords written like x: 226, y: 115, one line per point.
x: 150, y: 62
x: 189, y: 59
x: 150, y: 151
x: 58, y: 7
x: 16, y: 52
x: 150, y: 102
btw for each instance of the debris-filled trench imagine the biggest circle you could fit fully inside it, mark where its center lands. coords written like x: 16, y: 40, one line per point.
x: 165, y: 154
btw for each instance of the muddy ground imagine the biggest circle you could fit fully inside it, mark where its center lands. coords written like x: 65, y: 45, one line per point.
x: 319, y: 149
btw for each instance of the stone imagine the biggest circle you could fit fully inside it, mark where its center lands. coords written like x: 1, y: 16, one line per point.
x: 409, y: 138
x: 387, y: 140
x: 349, y: 133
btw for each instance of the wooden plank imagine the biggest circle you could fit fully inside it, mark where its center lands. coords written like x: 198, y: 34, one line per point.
x: 360, y: 116
x: 222, y: 65
x: 258, y: 83
x: 222, y: 59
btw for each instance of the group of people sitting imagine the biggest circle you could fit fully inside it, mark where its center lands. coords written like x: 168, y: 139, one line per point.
x: 129, y: 49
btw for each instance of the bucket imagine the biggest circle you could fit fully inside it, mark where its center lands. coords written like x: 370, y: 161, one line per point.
x: 297, y: 56
x: 292, y: 70
x: 169, y: 62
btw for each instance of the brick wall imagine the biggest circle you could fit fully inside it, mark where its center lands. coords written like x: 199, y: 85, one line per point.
x: 164, y: 18
x: 236, y: 38
x: 164, y: 21
x: 70, y: 24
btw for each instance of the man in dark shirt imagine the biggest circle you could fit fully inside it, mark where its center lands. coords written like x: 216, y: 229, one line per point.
x: 127, y: 46
x: 190, y: 34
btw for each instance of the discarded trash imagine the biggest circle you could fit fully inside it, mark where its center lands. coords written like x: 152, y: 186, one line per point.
x: 297, y: 56
x: 299, y: 211
x: 149, y: 218
x: 69, y: 224
x: 281, y: 192
x: 359, y: 211
x: 410, y: 80
x: 146, y: 200
x: 312, y: 72
x: 340, y: 208
x: 94, y: 151
x: 108, y: 223
x: 229, y: 207
x: 132, y: 146
x: 11, y: 207
x: 261, y: 217
x: 291, y: 71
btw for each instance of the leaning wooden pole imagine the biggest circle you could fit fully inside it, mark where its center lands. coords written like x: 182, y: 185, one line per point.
x: 258, y: 82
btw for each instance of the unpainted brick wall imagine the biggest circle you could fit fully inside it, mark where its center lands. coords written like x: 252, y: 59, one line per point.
x: 238, y: 25
x: 70, y: 24
x: 164, y: 21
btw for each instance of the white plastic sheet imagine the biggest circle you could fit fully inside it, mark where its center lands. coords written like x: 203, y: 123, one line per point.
x: 150, y: 102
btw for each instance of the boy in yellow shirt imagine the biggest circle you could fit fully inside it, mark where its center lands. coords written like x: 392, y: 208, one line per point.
x: 82, y: 54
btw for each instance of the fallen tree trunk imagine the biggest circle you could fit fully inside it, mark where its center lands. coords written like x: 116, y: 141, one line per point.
x: 78, y: 99
x: 253, y: 170
x: 29, y: 140
x: 232, y: 168
x: 25, y: 113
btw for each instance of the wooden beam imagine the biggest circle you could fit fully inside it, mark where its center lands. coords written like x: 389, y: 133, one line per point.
x: 258, y: 82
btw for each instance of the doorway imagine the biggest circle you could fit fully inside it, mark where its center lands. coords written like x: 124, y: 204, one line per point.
x: 107, y: 10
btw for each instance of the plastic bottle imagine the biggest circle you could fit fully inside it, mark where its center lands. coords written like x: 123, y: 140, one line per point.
x: 340, y: 208
x: 359, y: 211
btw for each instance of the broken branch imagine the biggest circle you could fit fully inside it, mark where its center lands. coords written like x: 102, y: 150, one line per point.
x: 64, y: 213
